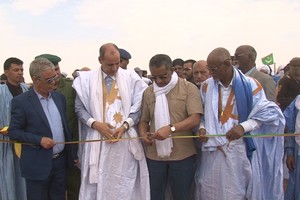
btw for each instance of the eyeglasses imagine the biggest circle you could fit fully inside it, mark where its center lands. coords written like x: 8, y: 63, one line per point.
x: 239, y: 55
x: 51, y: 80
x: 217, y: 67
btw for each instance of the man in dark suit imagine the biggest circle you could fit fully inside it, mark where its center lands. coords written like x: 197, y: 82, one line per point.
x: 246, y: 56
x: 38, y: 118
x: 64, y: 86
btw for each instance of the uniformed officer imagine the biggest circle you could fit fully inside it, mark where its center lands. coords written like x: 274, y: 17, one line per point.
x: 124, y: 58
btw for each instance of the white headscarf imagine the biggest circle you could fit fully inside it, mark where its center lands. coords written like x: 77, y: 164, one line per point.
x: 162, y: 116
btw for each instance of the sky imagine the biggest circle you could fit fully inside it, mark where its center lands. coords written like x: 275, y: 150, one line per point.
x: 190, y: 29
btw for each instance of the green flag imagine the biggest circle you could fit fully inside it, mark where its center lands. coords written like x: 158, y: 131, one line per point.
x: 268, y: 60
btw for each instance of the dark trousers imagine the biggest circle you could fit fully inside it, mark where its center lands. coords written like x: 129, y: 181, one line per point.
x: 180, y: 175
x: 54, y: 187
x: 73, y: 183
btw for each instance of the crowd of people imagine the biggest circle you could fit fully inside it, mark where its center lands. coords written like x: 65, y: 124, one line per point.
x: 186, y: 131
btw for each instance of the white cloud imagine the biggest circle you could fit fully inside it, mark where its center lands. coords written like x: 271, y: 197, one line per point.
x: 186, y: 29
x: 191, y: 29
x: 35, y: 7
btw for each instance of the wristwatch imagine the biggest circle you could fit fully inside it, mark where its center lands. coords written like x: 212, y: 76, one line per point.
x: 173, y: 129
x: 125, y: 125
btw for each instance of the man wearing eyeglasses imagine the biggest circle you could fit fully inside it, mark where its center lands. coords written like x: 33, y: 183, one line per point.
x: 12, y: 185
x: 64, y: 85
x: 188, y: 70
x: 235, y: 105
x: 108, y: 106
x: 38, y: 118
x: 246, y: 56
x: 170, y: 107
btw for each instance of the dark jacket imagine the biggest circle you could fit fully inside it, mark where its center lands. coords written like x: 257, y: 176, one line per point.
x: 28, y: 125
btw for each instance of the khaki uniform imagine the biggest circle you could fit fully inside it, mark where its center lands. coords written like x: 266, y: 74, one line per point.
x: 73, y: 177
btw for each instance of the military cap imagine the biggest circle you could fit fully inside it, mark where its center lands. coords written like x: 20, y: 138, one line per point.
x: 52, y: 58
x: 124, y: 54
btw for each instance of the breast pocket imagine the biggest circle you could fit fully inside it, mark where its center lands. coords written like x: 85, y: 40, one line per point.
x: 177, y: 104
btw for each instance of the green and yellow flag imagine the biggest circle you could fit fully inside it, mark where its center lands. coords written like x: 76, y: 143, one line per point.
x: 268, y: 60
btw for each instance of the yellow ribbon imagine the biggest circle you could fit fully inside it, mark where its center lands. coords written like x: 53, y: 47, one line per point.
x: 18, y: 145
x: 174, y: 137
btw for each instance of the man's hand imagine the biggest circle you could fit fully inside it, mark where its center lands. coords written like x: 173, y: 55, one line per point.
x: 77, y: 164
x: 202, y: 133
x: 290, y: 163
x: 47, y: 143
x: 163, y: 133
x: 118, y: 133
x: 235, y: 133
x: 104, y: 129
x: 147, y: 138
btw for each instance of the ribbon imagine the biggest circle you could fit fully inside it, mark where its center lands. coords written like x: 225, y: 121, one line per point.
x: 174, y: 137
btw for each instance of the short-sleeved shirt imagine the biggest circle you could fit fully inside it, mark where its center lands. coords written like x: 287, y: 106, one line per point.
x: 184, y: 100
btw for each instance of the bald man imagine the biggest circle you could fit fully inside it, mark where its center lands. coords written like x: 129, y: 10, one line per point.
x: 200, y: 72
x: 108, y: 106
x: 246, y: 56
x: 235, y: 105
